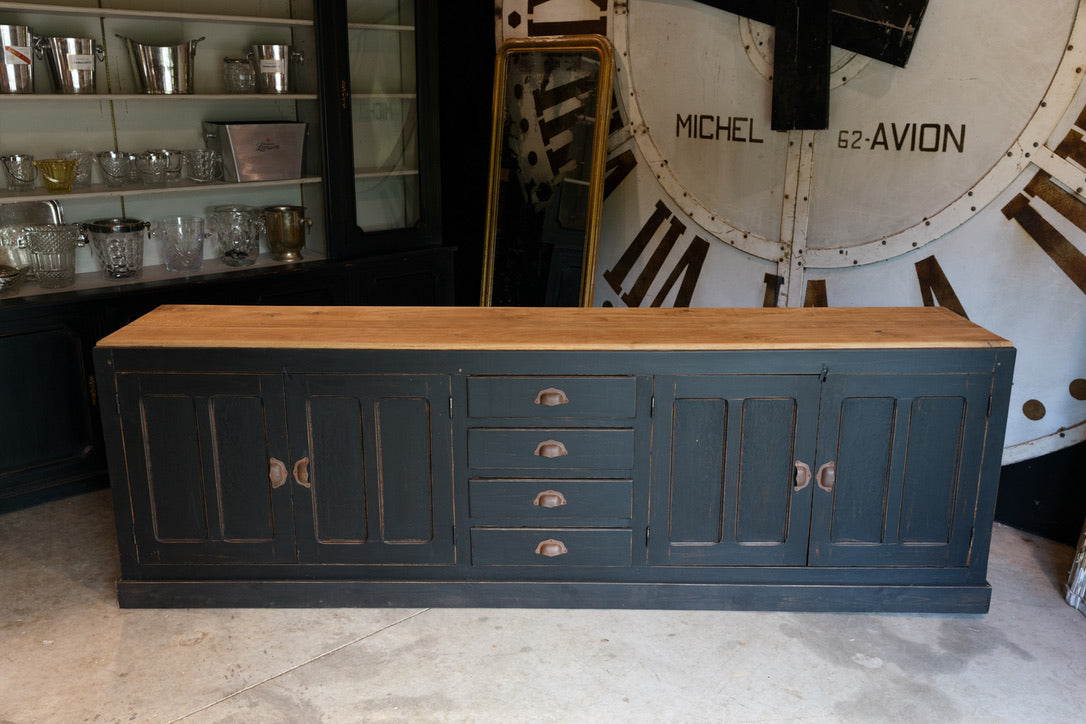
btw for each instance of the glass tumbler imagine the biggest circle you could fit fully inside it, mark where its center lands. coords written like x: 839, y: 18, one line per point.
x: 238, y: 230
x: 116, y: 166
x: 83, y: 162
x: 21, y: 171
x: 238, y: 76
x: 182, y: 240
x: 204, y: 165
x: 152, y: 167
x: 52, y: 253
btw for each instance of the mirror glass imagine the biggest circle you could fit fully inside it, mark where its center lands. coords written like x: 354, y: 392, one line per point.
x: 552, y: 106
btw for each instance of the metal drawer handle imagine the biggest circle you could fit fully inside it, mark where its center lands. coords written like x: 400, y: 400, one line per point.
x: 301, y: 472
x: 551, y: 449
x: 827, y: 476
x: 551, y: 548
x: 550, y: 499
x: 277, y: 473
x: 551, y: 397
x: 803, y: 476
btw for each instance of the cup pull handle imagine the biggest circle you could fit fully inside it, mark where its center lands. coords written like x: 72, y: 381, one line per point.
x: 803, y: 476
x: 550, y: 499
x: 827, y: 476
x: 551, y: 548
x: 551, y: 397
x: 551, y: 449
x: 301, y: 472
x: 277, y: 473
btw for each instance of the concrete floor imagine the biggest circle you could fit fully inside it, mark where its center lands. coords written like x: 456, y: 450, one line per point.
x: 68, y: 654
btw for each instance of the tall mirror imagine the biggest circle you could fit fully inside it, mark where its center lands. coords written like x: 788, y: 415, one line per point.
x: 548, y: 152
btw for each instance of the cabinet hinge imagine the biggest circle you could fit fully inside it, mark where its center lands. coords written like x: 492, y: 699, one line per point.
x: 652, y: 406
x: 646, y: 536
x: 454, y: 536
x: 822, y: 375
x: 989, y: 413
x: 450, y: 407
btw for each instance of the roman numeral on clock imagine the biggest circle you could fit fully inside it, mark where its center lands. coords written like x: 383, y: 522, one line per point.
x: 1058, y: 247
x: 687, y: 268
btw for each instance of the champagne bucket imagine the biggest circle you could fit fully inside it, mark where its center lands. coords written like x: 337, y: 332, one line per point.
x: 286, y: 231
x: 17, y: 61
x: 162, y: 69
x: 71, y: 63
x: 272, y: 65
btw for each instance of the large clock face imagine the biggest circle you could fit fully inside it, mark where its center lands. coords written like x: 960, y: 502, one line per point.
x: 958, y: 180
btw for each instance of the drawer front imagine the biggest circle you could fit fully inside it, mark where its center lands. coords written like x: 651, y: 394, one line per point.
x: 551, y: 546
x: 550, y: 500
x: 549, y: 397
x: 550, y: 449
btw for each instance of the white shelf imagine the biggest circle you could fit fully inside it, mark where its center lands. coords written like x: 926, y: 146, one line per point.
x: 110, y: 13
x: 384, y: 173
x: 381, y: 26
x: 98, y: 280
x: 38, y: 97
x: 103, y: 191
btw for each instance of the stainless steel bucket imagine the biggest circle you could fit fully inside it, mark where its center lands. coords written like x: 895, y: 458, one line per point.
x: 272, y: 66
x: 286, y: 231
x: 71, y: 62
x: 162, y: 69
x: 17, y: 61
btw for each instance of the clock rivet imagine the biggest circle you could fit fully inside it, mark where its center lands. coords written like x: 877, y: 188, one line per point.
x: 914, y: 244
x: 1034, y: 409
x: 1079, y: 190
x: 1027, y: 154
x: 855, y: 261
x: 970, y: 193
x: 972, y: 208
x: 1009, y: 154
x: 1078, y: 389
x: 1035, y: 144
x: 884, y: 242
x: 1070, y: 47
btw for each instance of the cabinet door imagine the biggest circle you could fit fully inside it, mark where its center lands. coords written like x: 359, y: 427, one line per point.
x: 724, y: 476
x: 372, y: 468
x: 906, y: 455
x: 200, y: 452
x: 51, y: 443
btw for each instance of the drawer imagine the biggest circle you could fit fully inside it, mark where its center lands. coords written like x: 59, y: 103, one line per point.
x: 607, y: 397
x: 551, y: 546
x: 550, y: 500
x: 550, y: 449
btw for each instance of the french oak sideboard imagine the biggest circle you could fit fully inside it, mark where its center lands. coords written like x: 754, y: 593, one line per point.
x: 778, y: 459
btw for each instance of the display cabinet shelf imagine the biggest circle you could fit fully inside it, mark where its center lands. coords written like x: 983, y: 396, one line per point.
x: 101, y: 191
x: 157, y: 15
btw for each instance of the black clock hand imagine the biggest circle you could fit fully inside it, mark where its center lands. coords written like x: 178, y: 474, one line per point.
x: 881, y: 29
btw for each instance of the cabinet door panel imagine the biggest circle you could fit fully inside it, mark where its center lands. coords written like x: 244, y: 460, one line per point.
x: 723, y: 469
x: 197, y: 452
x: 377, y: 487
x: 906, y: 451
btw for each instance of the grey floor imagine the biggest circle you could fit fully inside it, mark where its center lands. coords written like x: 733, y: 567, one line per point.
x: 68, y: 654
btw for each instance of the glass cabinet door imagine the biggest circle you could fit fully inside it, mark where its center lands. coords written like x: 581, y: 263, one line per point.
x: 384, y: 86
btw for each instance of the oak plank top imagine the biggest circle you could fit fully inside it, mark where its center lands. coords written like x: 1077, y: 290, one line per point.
x: 523, y: 328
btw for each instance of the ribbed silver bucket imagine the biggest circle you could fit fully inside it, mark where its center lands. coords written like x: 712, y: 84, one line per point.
x: 71, y: 63
x: 162, y: 69
x: 17, y: 61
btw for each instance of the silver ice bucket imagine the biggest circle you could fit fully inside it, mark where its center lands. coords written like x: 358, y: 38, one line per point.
x: 162, y: 69
x: 71, y: 62
x: 17, y: 59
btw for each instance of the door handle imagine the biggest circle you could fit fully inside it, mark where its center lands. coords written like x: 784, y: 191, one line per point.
x: 827, y: 476
x: 301, y: 472
x: 551, y: 449
x: 803, y: 476
x: 277, y: 473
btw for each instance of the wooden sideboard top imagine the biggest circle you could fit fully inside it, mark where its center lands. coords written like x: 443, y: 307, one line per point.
x: 481, y: 328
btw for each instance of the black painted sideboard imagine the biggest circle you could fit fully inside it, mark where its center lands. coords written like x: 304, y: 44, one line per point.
x: 783, y: 459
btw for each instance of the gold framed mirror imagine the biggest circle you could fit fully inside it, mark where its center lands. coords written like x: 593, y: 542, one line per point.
x: 548, y: 156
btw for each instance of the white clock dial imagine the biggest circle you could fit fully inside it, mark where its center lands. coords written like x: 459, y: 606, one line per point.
x: 957, y: 180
